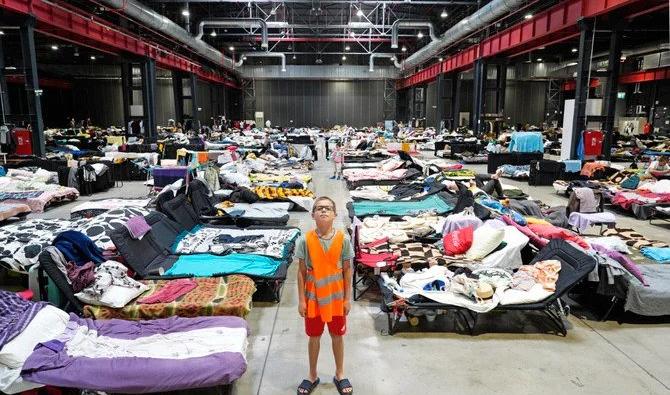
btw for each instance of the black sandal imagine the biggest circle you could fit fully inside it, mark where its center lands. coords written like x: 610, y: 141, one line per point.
x: 343, y: 385
x: 307, y: 386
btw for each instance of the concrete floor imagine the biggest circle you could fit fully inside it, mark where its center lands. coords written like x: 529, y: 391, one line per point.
x: 511, y: 353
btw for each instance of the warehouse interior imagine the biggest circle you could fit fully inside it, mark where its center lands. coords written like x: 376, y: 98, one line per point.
x: 471, y: 195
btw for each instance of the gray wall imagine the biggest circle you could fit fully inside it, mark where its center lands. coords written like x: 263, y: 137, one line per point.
x: 525, y: 101
x: 321, y: 103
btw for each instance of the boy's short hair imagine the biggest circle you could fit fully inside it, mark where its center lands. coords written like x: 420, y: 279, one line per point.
x: 320, y: 198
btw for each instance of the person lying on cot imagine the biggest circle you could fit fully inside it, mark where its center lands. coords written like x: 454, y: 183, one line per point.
x: 324, y: 290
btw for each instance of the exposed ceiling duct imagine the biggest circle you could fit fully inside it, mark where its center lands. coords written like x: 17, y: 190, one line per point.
x: 382, y: 55
x: 400, y: 23
x: 236, y: 23
x: 482, y: 17
x: 136, y: 10
x: 262, y: 55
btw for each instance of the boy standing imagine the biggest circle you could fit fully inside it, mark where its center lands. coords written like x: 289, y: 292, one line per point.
x: 324, y: 290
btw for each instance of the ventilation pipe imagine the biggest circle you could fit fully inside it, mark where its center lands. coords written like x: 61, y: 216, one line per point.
x: 236, y: 23
x: 481, y: 18
x: 263, y: 55
x: 400, y: 23
x: 136, y: 10
x: 382, y: 55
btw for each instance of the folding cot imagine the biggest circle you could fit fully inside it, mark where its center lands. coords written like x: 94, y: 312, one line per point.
x: 227, y: 295
x: 46, y: 346
x: 153, y: 256
x: 575, y: 267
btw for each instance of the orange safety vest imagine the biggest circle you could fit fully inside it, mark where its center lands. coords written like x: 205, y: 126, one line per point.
x: 324, y: 284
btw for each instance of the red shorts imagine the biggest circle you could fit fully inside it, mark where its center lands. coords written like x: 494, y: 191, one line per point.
x: 336, y: 327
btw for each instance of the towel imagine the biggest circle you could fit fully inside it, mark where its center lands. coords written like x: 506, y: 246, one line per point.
x: 138, y: 227
x: 171, y: 291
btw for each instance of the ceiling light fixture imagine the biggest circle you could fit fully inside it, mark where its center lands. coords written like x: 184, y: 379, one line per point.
x: 528, y: 16
x: 54, y: 47
x: 213, y: 33
x: 92, y: 57
x: 622, y: 58
x: 347, y: 48
x: 539, y: 59
x: 344, y: 57
x: 359, y: 13
x: 2, y: 33
x: 572, y: 64
x: 231, y: 48
x: 295, y: 57
x: 352, y: 34
x: 420, y: 35
x: 404, y: 48
x: 10, y: 67
x: 440, y: 59
x: 185, y: 13
x: 573, y: 50
x: 444, y: 14
x: 244, y: 57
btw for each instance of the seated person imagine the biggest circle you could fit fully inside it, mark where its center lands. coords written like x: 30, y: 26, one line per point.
x: 659, y: 168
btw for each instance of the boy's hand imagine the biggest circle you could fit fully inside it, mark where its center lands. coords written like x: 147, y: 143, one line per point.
x: 347, y: 307
x: 302, y: 308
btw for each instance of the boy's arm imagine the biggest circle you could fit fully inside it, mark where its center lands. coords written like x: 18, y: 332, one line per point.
x: 302, y: 272
x: 346, y: 273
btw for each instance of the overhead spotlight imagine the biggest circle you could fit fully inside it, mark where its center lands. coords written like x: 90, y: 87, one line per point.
x: 185, y: 13
x: 440, y: 59
x: 528, y: 16
x: 539, y: 59
x: 295, y: 57
x: 347, y: 48
x: 352, y: 34
x: 420, y: 35
x: 344, y: 57
x: 244, y: 57
x: 231, y: 48
x: 444, y: 14
x: 54, y: 47
x: 573, y: 50
x: 404, y: 48
x: 542, y: 47
x: 2, y: 32
x: 359, y: 13
x: 622, y: 58
x: 92, y: 57
x: 213, y: 33
x: 572, y: 64
x: 9, y: 67
x: 393, y: 58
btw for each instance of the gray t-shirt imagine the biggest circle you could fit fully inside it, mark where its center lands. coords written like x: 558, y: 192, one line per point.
x: 301, y: 249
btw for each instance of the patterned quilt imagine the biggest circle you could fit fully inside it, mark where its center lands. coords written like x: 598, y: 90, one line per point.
x: 229, y: 295
x: 22, y: 243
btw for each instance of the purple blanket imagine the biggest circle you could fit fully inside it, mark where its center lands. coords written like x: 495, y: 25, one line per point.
x: 15, y: 315
x: 142, y: 356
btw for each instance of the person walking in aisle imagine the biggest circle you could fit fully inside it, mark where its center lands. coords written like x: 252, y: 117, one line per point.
x: 338, y: 159
x: 324, y: 290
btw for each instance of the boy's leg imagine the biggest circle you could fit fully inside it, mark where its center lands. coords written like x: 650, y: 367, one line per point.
x: 338, y: 352
x: 314, y: 346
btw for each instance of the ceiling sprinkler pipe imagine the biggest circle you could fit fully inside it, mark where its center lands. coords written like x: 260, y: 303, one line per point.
x: 263, y: 55
x: 400, y: 23
x: 236, y: 23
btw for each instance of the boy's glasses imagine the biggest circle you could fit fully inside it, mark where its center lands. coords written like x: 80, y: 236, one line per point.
x: 324, y: 208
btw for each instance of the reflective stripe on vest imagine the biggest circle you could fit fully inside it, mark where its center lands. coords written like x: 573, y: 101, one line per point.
x: 324, y: 284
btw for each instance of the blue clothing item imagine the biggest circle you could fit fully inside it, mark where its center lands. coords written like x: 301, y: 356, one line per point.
x: 78, y: 248
x: 580, y: 147
x: 430, y: 203
x: 526, y: 142
x: 658, y: 254
x: 573, y: 166
x: 2, y: 172
x: 208, y: 265
x: 491, y: 203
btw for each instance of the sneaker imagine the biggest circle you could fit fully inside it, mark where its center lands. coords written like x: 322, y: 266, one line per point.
x: 332, y: 178
x: 338, y: 177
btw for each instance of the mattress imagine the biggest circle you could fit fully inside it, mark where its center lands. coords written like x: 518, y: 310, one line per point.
x: 430, y: 203
x: 9, y: 210
x: 96, y: 207
x: 217, y: 296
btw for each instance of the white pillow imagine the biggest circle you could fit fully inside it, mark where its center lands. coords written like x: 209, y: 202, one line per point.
x: 47, y: 325
x: 610, y: 242
x: 116, y: 296
x: 484, y: 241
x: 517, y: 296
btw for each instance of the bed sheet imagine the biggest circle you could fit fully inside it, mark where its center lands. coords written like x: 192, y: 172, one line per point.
x: 21, y: 243
x: 215, y: 296
x: 9, y: 210
x: 653, y: 300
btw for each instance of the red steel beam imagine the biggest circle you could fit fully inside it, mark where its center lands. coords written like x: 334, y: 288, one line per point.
x: 323, y: 39
x: 645, y: 76
x: 19, y: 79
x: 553, y: 25
x: 572, y: 84
x: 74, y: 26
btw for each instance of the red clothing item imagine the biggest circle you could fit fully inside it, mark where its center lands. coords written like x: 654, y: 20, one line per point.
x: 337, y: 326
x: 593, y: 142
x: 554, y: 232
